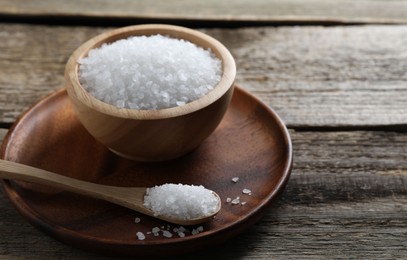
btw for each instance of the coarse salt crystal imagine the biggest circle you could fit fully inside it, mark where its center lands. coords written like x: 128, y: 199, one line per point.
x: 182, y: 229
x: 137, y: 220
x: 140, y: 236
x: 247, y: 192
x: 235, y: 179
x: 236, y: 201
x: 167, y: 234
x: 155, y: 230
x: 197, y: 230
x: 228, y: 200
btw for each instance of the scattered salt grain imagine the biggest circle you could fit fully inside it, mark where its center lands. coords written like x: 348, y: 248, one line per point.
x: 247, y: 191
x: 140, y: 236
x: 149, y: 72
x: 137, y: 220
x: 182, y: 229
x: 235, y: 179
x: 236, y: 201
x: 228, y: 200
x: 197, y: 230
x: 181, y: 201
x: 167, y: 234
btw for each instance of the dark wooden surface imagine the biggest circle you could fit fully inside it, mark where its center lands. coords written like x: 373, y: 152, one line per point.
x: 341, y: 90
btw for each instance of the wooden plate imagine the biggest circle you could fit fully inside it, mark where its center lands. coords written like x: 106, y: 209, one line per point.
x: 251, y: 143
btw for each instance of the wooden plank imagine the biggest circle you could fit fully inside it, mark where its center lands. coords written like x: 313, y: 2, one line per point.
x: 325, y: 76
x: 317, y: 11
x: 345, y: 187
x: 312, y: 76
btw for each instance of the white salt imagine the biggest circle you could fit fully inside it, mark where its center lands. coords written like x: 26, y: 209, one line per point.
x: 197, y: 230
x: 137, y: 220
x: 140, y: 236
x: 182, y: 229
x: 167, y: 234
x: 247, y: 191
x: 236, y: 201
x: 181, y: 201
x: 149, y: 72
x: 235, y: 179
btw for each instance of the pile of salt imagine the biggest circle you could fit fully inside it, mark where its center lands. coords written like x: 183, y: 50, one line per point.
x: 149, y: 72
x: 181, y: 201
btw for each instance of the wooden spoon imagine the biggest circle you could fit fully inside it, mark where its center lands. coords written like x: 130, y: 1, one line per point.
x: 129, y: 197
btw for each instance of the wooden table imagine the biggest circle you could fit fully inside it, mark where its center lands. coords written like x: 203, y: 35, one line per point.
x: 335, y: 71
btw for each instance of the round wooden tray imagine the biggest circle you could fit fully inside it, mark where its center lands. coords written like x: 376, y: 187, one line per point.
x: 251, y: 143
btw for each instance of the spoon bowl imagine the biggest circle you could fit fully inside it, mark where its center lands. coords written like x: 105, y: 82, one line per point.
x: 129, y: 197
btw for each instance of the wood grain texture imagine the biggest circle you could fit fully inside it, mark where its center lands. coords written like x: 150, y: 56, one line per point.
x: 312, y: 76
x: 343, y: 11
x: 346, y: 198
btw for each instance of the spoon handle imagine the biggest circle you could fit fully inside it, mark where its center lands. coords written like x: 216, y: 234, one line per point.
x: 17, y: 171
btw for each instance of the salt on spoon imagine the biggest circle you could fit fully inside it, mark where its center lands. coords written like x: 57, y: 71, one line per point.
x: 143, y: 200
x: 181, y: 201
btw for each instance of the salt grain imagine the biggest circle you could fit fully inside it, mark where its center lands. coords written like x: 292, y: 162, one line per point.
x: 236, y: 201
x: 153, y: 72
x: 181, y: 201
x: 140, y: 236
x: 235, y: 179
x: 167, y: 234
x: 197, y: 230
x: 247, y: 191
x: 182, y: 229
x: 155, y: 229
x: 137, y: 220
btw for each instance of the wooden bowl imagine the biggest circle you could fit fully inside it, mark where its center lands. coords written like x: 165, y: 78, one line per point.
x: 152, y: 135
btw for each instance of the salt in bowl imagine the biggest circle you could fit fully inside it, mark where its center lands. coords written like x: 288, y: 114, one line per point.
x: 152, y: 135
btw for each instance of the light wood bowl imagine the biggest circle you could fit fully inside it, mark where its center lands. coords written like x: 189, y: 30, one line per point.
x: 152, y: 135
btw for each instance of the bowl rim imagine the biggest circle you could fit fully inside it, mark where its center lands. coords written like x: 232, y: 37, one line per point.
x: 226, y: 82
